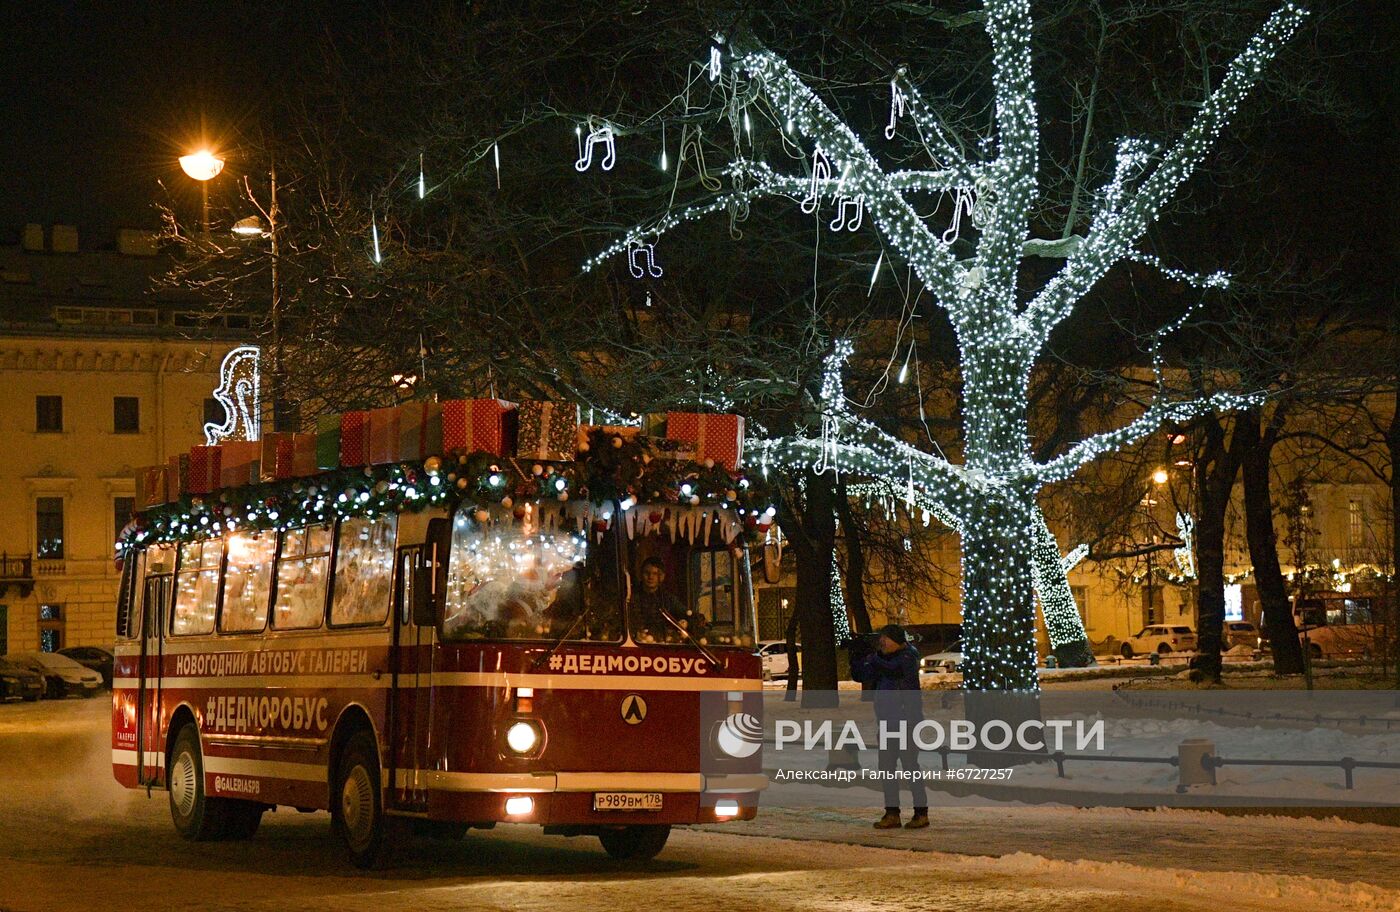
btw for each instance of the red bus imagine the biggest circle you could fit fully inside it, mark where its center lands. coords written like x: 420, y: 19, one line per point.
x: 431, y: 671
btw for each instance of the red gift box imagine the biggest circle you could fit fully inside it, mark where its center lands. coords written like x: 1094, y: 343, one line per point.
x: 275, y: 459
x: 177, y: 477
x: 354, y: 438
x: 479, y: 425
x: 151, y: 486
x: 383, y: 436
x: 206, y: 463
x: 420, y: 430
x: 239, y: 462
x: 304, y: 455
x: 717, y: 437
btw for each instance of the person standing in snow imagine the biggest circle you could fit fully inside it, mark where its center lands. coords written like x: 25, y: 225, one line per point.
x: 892, y: 671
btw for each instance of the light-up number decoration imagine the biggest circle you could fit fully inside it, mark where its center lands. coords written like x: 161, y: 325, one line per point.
x: 239, y: 393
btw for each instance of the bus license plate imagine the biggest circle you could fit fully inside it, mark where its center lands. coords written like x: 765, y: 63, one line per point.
x: 626, y: 801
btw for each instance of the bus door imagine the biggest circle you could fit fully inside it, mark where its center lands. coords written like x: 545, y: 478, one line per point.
x: 411, y: 690
x: 149, y: 731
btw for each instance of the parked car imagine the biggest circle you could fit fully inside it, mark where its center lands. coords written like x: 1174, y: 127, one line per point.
x: 62, y: 675
x: 774, y: 655
x: 945, y: 662
x: 94, y: 657
x: 1241, y: 633
x: 19, y: 683
x: 1161, y: 639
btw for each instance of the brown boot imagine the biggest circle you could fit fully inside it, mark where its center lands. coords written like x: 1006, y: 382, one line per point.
x: 917, y: 822
x: 888, y: 822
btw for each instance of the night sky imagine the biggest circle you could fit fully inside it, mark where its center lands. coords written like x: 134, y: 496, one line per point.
x: 100, y: 99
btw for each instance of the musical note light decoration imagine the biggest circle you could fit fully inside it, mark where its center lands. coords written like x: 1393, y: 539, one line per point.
x: 239, y: 392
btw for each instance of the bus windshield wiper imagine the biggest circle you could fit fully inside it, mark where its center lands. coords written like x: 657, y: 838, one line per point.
x: 560, y: 642
x: 709, y: 656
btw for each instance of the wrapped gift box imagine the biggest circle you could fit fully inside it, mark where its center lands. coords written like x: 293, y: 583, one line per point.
x: 239, y: 462
x: 548, y: 431
x: 177, y: 477
x: 384, y: 435
x: 328, y: 442
x: 717, y: 437
x: 480, y: 425
x: 354, y: 438
x: 626, y: 432
x: 654, y: 424
x: 304, y: 454
x: 420, y: 431
x: 152, y: 486
x: 205, y: 465
x: 666, y: 448
x: 275, y: 460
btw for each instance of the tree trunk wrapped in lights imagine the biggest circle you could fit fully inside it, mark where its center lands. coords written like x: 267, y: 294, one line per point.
x: 1000, y: 337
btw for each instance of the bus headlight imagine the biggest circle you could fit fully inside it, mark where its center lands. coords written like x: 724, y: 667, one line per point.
x: 725, y: 808
x: 519, y: 806
x: 522, y: 737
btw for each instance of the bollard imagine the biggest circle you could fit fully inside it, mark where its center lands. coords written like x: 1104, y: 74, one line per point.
x: 1050, y: 662
x: 1194, y: 765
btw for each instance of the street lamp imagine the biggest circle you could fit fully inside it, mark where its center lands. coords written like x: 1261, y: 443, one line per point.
x: 203, y: 166
x: 252, y: 226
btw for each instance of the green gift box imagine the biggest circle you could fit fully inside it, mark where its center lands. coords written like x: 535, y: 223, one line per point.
x: 328, y: 442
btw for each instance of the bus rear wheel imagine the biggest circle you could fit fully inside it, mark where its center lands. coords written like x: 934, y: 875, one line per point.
x: 635, y: 843
x: 197, y: 817
x: 370, y: 837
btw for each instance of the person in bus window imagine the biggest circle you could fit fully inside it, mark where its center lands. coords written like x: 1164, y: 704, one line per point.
x: 652, y: 602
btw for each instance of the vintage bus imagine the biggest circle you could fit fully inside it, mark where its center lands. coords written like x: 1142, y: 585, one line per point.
x: 434, y: 671
x: 1336, y: 625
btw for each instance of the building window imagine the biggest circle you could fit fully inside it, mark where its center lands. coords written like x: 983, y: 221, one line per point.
x: 48, y: 527
x: 1081, y: 602
x: 48, y: 414
x: 122, y: 508
x: 50, y: 627
x: 126, y: 414
x: 1356, y: 523
x: 214, y: 411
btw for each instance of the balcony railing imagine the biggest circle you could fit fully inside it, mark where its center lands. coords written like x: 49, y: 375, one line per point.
x: 17, y: 570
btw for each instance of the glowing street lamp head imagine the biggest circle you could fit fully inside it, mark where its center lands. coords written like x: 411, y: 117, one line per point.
x: 251, y: 226
x: 202, y: 165
x: 1160, y: 476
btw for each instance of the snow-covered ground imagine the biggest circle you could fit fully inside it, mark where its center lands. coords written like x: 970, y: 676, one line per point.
x: 71, y: 840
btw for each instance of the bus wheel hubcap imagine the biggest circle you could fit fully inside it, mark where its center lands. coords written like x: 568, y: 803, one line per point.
x: 357, y: 805
x: 182, y: 784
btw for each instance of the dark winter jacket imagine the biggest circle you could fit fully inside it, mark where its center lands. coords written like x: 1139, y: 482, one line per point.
x: 895, y: 680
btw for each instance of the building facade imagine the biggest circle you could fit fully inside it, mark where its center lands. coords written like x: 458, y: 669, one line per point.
x: 99, y: 375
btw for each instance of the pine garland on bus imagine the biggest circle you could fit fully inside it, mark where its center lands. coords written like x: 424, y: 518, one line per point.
x: 612, y: 468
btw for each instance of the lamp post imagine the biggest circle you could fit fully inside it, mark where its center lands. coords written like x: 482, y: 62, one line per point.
x: 252, y: 226
x: 203, y: 166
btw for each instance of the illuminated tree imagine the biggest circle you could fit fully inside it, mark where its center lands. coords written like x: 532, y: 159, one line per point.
x: 1000, y: 335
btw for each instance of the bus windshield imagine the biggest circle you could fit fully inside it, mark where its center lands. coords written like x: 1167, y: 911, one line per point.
x: 522, y: 582
x: 519, y: 582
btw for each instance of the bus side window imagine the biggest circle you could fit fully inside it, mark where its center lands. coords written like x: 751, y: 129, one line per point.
x: 302, y: 568
x: 126, y: 594
x: 247, y: 582
x: 197, y: 586
x: 364, y: 571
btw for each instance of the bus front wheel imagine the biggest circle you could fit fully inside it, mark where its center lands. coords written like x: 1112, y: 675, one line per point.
x: 197, y: 817
x: 635, y: 843
x: 357, y: 808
